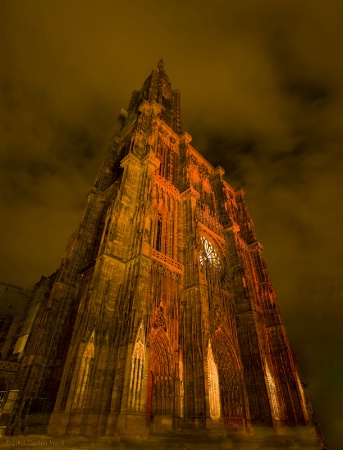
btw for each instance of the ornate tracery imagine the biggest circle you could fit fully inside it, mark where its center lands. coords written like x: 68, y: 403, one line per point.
x: 162, y: 376
x: 137, y: 372
x: 179, y: 254
x: 208, y: 254
x: 230, y: 377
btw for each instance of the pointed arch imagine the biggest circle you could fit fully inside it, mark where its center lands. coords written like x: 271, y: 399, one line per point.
x: 213, y: 384
x: 137, y: 372
x: 83, y: 379
x: 230, y: 376
x: 159, y: 320
x: 162, y: 374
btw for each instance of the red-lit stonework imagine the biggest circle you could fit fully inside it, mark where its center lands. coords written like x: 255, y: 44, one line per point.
x: 162, y: 317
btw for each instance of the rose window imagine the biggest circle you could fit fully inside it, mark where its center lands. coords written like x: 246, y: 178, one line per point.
x: 208, y: 254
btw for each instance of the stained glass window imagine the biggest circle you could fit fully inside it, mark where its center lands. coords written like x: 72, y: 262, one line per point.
x: 208, y: 254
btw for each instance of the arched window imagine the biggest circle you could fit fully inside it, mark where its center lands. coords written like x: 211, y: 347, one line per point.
x: 213, y: 384
x: 137, y: 372
x: 208, y: 254
x: 159, y: 234
x: 136, y: 379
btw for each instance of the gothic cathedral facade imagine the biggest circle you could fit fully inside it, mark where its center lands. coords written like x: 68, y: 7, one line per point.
x: 162, y: 316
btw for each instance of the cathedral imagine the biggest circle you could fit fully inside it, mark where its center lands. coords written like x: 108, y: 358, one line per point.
x: 161, y: 319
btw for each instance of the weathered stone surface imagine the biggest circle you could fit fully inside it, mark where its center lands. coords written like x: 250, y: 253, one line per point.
x: 162, y: 317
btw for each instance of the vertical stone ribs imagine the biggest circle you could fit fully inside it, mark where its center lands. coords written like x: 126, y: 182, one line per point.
x: 269, y: 368
x: 162, y: 313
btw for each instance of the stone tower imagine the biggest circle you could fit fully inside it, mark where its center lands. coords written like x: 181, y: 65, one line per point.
x: 162, y: 316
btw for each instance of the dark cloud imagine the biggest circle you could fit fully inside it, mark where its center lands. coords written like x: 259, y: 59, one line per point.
x: 261, y: 94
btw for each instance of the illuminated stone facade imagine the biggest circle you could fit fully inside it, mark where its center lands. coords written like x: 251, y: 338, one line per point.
x: 162, y: 317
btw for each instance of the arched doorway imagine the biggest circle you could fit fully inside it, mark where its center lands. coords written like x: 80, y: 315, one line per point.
x: 160, y: 392
x: 230, y: 380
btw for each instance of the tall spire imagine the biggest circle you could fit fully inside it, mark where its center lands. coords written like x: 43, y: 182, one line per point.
x: 160, y: 67
x: 157, y: 88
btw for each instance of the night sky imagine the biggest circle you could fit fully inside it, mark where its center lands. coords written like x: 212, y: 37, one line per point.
x: 261, y: 86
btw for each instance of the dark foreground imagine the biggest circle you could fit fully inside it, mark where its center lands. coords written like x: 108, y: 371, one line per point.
x: 299, y: 438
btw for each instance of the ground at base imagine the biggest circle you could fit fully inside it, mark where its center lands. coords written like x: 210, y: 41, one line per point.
x: 261, y: 440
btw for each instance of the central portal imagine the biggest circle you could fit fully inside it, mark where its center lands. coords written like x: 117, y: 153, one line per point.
x: 161, y: 387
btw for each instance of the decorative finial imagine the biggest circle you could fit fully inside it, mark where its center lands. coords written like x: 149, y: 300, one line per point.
x: 160, y: 63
